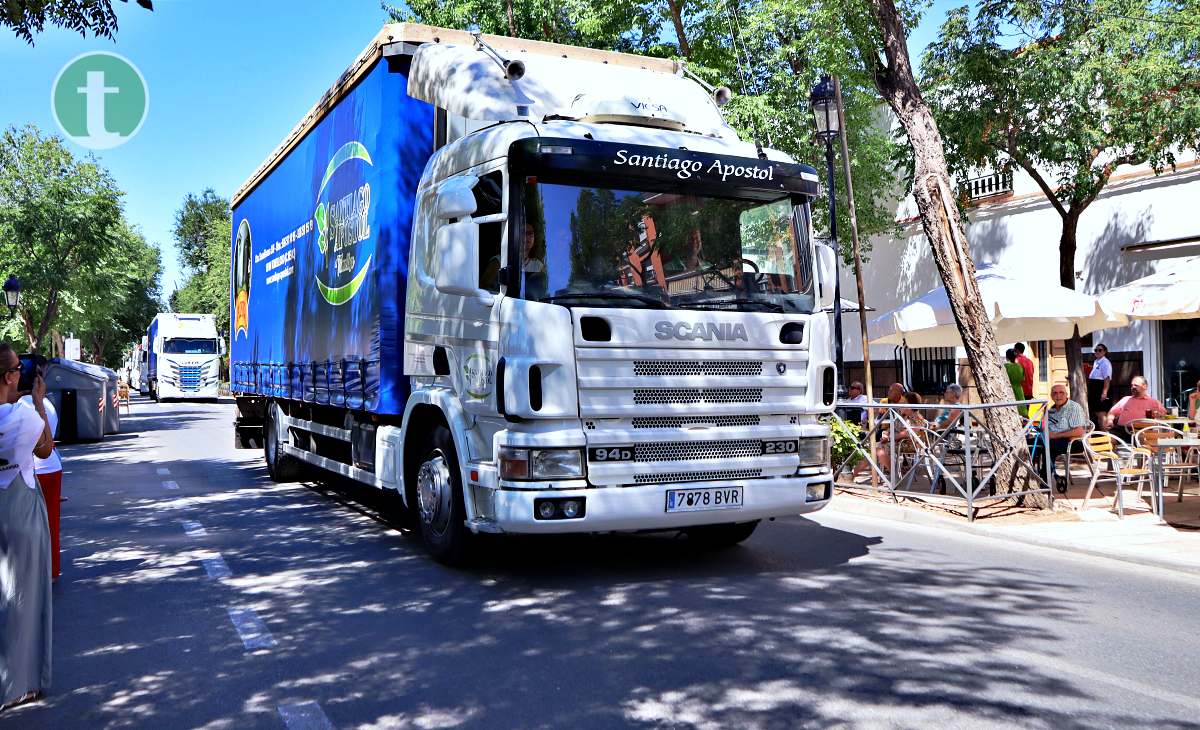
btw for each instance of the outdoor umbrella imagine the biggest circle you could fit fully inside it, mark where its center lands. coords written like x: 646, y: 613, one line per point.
x: 1171, y: 294
x: 1019, y: 309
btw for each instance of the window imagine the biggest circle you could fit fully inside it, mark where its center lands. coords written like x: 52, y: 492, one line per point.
x: 190, y: 346
x: 489, y: 201
x: 933, y: 368
x: 1043, y: 357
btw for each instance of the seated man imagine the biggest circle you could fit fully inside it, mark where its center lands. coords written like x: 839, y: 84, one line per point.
x: 948, y: 417
x: 1064, y: 421
x: 1134, y: 407
x: 854, y: 395
x: 895, y: 394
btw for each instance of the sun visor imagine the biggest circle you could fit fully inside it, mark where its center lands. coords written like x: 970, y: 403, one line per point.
x: 468, y: 82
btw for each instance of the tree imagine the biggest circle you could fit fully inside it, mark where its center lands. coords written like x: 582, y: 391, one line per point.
x: 27, y: 17
x: 1096, y: 84
x: 58, y: 217
x: 877, y: 31
x: 109, y: 308
x: 202, y: 235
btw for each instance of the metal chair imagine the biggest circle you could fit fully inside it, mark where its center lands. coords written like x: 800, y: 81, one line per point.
x: 1110, y: 456
x: 1176, y: 462
x: 1088, y: 429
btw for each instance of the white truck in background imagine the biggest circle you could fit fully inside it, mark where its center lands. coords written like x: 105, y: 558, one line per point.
x: 182, y: 356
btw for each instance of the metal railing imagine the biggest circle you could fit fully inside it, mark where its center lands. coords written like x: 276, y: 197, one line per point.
x: 987, y: 186
x: 959, y: 462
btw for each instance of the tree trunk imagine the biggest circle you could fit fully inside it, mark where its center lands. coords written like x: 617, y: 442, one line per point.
x: 1067, y: 245
x: 934, y: 194
x: 512, y: 24
x: 676, y: 7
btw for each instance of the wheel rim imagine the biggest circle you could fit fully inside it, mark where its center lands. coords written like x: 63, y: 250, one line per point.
x: 433, y: 493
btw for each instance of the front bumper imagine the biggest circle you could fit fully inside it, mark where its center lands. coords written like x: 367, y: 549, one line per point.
x: 618, y: 509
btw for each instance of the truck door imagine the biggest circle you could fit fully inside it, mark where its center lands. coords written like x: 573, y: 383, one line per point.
x: 468, y: 227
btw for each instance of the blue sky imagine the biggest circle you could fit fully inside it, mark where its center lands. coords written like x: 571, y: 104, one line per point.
x: 227, y: 81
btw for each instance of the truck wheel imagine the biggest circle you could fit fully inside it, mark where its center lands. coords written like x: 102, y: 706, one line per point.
x: 280, y: 466
x: 721, y: 536
x: 441, y: 513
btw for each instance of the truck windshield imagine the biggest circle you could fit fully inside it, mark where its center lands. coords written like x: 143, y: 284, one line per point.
x: 190, y: 346
x: 627, y: 248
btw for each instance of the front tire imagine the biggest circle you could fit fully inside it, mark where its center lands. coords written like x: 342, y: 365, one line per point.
x: 280, y: 466
x: 441, y: 511
x: 721, y: 536
x: 154, y: 392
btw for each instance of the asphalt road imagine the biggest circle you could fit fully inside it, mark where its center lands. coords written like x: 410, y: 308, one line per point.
x: 206, y: 596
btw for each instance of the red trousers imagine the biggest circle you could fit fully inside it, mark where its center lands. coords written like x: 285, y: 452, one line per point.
x: 52, y: 493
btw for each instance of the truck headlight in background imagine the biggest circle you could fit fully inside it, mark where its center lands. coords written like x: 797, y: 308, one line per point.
x: 517, y: 464
x: 813, y: 452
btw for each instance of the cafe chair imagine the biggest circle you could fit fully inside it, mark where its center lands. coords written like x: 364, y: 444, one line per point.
x: 1074, y: 453
x: 1112, y: 457
x: 1176, y: 462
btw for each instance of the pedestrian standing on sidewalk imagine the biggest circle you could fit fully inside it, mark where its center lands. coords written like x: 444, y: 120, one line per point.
x: 1027, y: 366
x: 1099, y: 384
x: 49, y: 473
x: 25, y: 610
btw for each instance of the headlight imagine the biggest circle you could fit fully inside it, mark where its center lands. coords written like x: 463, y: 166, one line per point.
x: 518, y: 464
x: 813, y: 452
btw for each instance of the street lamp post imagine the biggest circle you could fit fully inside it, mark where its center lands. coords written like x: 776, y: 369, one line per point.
x: 825, y: 112
x: 12, y: 295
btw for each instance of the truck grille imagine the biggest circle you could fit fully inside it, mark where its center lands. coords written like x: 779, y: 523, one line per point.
x: 697, y: 476
x: 189, y: 377
x: 681, y: 421
x: 661, y: 396
x: 666, y: 368
x: 694, y: 450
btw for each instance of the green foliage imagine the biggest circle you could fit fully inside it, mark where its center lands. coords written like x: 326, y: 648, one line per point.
x: 845, y: 437
x: 1066, y: 91
x: 203, y: 235
x: 27, y: 17
x: 783, y: 47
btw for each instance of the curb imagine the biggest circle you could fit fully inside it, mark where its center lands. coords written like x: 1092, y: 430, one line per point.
x: 850, y: 505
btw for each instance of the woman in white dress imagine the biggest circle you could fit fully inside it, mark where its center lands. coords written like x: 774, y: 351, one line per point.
x: 25, y: 611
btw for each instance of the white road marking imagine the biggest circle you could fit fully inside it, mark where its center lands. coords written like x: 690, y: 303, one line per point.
x: 170, y: 485
x: 304, y: 716
x: 192, y: 528
x: 251, y: 629
x: 162, y: 470
x: 216, y: 568
x: 1100, y: 675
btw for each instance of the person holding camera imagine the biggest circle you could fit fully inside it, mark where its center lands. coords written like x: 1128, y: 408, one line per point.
x: 25, y: 611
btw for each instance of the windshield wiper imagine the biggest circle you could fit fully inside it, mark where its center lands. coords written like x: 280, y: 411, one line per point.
x: 737, y: 302
x: 614, y: 295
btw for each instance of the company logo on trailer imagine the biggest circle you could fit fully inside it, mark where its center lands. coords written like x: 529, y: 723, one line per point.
x: 343, y: 224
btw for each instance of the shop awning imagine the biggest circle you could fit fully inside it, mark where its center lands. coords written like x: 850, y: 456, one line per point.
x: 1173, y: 293
x: 1020, y: 309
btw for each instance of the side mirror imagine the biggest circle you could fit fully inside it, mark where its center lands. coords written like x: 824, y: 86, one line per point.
x: 827, y: 271
x: 457, y: 249
x: 456, y: 198
x: 220, y: 345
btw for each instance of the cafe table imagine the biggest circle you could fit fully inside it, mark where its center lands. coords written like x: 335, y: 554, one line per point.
x: 1158, y: 480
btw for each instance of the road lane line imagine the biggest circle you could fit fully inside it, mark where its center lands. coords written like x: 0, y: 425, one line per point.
x: 1099, y: 675
x: 250, y: 628
x: 170, y: 485
x: 216, y: 567
x: 304, y: 716
x: 162, y: 471
x: 194, y: 529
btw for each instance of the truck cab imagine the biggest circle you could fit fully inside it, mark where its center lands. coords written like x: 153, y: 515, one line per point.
x: 183, y: 357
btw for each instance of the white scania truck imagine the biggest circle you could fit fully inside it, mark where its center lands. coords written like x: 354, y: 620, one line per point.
x: 182, y: 357
x: 534, y: 289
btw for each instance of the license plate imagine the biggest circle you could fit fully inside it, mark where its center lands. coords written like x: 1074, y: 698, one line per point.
x: 708, y: 498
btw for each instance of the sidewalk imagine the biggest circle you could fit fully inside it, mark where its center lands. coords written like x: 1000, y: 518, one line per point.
x: 1138, y: 538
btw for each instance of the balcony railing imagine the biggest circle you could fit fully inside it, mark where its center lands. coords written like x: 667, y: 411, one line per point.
x: 988, y: 186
